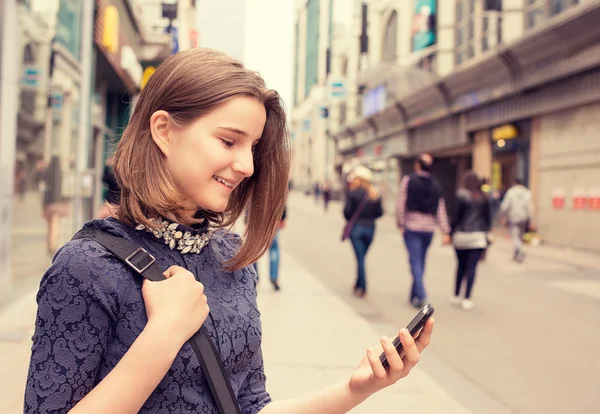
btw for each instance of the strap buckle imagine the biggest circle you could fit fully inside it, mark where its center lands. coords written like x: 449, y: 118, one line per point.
x: 140, y: 260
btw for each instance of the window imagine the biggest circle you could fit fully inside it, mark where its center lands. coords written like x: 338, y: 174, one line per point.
x: 390, y: 39
x: 539, y: 11
x: 312, y: 45
x: 468, y: 43
x: 465, y: 30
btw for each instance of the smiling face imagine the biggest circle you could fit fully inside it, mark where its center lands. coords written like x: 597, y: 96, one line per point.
x: 210, y: 157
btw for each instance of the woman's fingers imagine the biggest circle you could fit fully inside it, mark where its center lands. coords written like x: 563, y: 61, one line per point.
x: 393, y: 358
x: 411, y: 353
x: 376, y: 366
x: 425, y: 335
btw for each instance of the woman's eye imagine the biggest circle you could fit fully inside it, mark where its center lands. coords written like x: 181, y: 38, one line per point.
x: 227, y: 143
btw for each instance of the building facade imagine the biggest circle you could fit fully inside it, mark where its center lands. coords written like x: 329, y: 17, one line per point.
x: 508, y: 88
x: 312, y: 148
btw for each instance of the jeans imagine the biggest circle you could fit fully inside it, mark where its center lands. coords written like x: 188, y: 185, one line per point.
x: 361, y: 237
x: 273, y: 260
x: 467, y: 266
x: 417, y: 243
x: 517, y: 230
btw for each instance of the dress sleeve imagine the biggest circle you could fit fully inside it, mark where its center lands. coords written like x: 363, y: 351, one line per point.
x: 72, y: 327
x: 253, y: 395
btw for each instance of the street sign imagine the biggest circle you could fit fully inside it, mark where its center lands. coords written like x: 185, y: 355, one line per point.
x: 31, y: 76
x: 337, y: 89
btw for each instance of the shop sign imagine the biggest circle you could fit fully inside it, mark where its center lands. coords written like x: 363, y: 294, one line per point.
x: 148, y: 72
x: 508, y: 131
x: 579, y: 198
x: 337, y: 89
x: 594, y: 198
x: 424, y: 24
x: 110, y: 32
x: 31, y: 76
x: 193, y: 38
x: 558, y: 198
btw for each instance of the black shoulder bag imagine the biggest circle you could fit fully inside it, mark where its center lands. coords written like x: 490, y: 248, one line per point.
x: 142, y: 263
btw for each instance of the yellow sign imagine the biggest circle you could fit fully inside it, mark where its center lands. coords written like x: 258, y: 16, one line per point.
x: 110, y: 33
x: 508, y: 131
x: 146, y: 76
x: 497, y: 176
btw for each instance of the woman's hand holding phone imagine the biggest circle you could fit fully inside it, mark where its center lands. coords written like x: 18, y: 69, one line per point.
x: 371, y: 375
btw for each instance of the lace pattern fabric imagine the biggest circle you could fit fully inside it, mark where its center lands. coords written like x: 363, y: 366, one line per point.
x: 91, y: 310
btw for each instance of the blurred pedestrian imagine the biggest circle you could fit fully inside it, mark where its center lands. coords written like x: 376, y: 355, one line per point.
x: 55, y: 205
x: 113, y: 191
x: 517, y: 208
x: 326, y: 195
x: 20, y: 180
x: 107, y: 340
x: 274, y: 255
x: 419, y: 210
x: 362, y: 208
x: 471, y: 224
x: 317, y: 190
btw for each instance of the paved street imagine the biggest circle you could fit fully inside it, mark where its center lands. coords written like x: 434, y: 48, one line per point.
x: 508, y: 348
x: 502, y: 357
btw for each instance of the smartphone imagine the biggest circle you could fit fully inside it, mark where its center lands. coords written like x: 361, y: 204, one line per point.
x: 413, y: 327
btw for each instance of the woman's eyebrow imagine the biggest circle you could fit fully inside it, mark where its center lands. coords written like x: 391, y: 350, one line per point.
x: 235, y: 131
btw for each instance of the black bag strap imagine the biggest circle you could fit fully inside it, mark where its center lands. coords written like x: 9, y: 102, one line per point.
x: 144, y: 264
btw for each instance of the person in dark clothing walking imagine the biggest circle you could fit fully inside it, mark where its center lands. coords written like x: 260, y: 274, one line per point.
x: 113, y: 191
x: 326, y: 195
x: 471, y: 222
x: 420, y: 209
x: 364, y: 196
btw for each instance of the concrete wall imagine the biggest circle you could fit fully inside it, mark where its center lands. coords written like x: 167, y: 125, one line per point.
x: 569, y: 159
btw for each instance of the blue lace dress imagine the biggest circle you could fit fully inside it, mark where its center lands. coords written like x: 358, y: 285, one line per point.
x: 91, y: 310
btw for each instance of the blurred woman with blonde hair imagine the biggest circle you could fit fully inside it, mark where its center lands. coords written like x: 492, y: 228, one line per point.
x: 363, y: 207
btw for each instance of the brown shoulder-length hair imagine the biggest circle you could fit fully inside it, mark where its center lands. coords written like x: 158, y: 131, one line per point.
x: 472, y: 183
x: 188, y: 85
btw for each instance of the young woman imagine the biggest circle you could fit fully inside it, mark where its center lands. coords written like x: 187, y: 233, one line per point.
x: 363, y: 201
x: 206, y: 137
x: 471, y: 224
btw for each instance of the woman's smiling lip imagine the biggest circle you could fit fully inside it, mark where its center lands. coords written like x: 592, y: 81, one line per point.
x: 227, y: 183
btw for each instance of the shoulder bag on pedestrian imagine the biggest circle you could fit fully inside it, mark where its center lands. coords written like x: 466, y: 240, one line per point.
x: 350, y: 223
x: 142, y: 263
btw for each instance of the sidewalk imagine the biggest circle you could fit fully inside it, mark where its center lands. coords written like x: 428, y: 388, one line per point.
x: 29, y: 258
x: 387, y: 223
x: 311, y: 339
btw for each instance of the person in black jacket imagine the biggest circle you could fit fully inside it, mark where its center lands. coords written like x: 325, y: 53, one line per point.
x: 363, y: 196
x: 113, y: 191
x: 471, y: 223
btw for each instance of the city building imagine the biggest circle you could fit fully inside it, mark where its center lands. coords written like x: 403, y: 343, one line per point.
x: 313, y: 154
x: 509, y: 88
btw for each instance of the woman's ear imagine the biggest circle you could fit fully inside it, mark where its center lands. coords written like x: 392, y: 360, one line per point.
x: 159, y: 129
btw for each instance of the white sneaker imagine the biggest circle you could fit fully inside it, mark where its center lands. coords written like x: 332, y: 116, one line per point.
x: 467, y: 304
x: 455, y: 300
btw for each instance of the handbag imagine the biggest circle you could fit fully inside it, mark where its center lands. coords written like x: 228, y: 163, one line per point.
x: 350, y: 223
x: 143, y: 263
